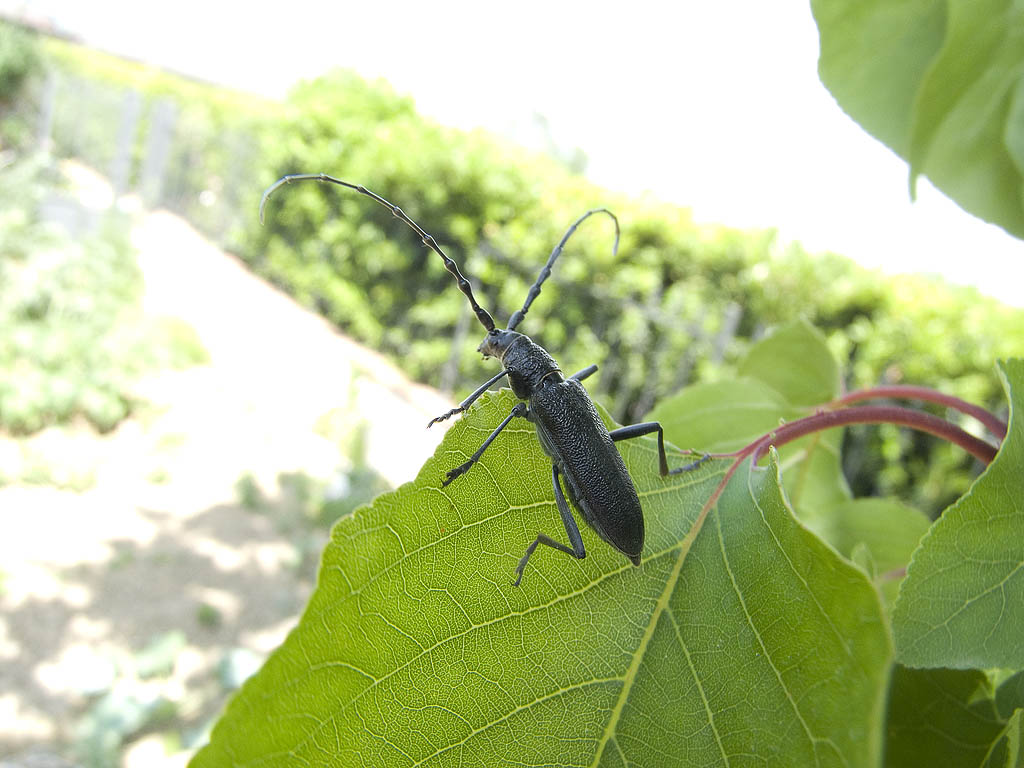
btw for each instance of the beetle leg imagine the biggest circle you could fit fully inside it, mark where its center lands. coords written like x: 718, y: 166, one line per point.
x: 571, y: 529
x: 468, y: 401
x: 451, y: 474
x: 637, y: 430
x: 581, y: 375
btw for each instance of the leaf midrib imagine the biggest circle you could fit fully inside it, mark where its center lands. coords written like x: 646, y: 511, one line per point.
x: 638, y: 655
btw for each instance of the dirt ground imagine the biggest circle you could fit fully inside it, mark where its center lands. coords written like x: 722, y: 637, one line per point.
x: 177, y: 529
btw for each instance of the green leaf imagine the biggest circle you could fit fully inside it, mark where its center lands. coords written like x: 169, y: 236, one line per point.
x: 758, y: 582
x: 962, y: 111
x: 941, y: 83
x: 940, y: 717
x: 1010, y: 695
x: 795, y: 361
x: 812, y: 475
x: 1011, y: 749
x: 962, y: 603
x: 874, y: 55
x: 740, y: 637
x: 889, y: 529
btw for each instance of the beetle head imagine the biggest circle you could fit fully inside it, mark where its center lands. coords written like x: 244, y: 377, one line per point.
x: 497, y: 342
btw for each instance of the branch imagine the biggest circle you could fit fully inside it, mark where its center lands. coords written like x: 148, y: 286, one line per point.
x: 874, y: 414
x: 992, y: 423
x: 868, y: 414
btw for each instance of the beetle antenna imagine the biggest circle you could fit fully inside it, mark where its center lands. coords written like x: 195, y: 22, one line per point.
x: 545, y: 271
x: 428, y: 239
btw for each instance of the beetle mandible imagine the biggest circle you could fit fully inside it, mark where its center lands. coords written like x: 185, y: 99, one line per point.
x: 581, y: 448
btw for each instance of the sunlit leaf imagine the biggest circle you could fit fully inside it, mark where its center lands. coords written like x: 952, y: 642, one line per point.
x: 874, y: 55
x: 962, y: 603
x: 941, y: 82
x: 961, y: 117
x: 740, y: 637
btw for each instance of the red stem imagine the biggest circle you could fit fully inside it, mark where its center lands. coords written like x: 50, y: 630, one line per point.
x: 992, y: 423
x: 872, y: 414
x: 868, y: 414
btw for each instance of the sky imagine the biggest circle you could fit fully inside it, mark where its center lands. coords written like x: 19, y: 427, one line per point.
x: 714, y: 106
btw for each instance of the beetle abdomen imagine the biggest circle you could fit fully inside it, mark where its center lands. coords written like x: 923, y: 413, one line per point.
x: 598, y: 484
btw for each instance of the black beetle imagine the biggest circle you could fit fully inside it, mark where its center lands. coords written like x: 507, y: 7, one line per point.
x: 570, y: 431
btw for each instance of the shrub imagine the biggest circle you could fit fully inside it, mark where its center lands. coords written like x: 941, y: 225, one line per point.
x: 72, y: 335
x: 19, y: 60
x: 680, y: 301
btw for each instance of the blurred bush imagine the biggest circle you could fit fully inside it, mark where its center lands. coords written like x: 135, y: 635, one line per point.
x: 72, y: 335
x: 681, y: 301
x: 20, y: 60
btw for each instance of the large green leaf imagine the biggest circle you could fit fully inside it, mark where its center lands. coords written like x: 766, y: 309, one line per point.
x: 941, y: 82
x: 741, y: 637
x: 874, y: 55
x: 962, y: 603
x: 961, y: 116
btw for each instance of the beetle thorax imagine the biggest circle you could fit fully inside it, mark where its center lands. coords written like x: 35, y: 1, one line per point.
x: 528, y: 364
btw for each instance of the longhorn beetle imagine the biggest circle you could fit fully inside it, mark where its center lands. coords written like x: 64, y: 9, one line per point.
x: 582, y: 450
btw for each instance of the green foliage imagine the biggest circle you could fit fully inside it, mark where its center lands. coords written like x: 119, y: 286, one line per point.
x: 363, y: 270
x: 681, y: 302
x: 72, y: 337
x: 942, y: 83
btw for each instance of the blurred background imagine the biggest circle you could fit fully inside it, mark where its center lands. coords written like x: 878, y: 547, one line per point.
x: 188, y: 400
